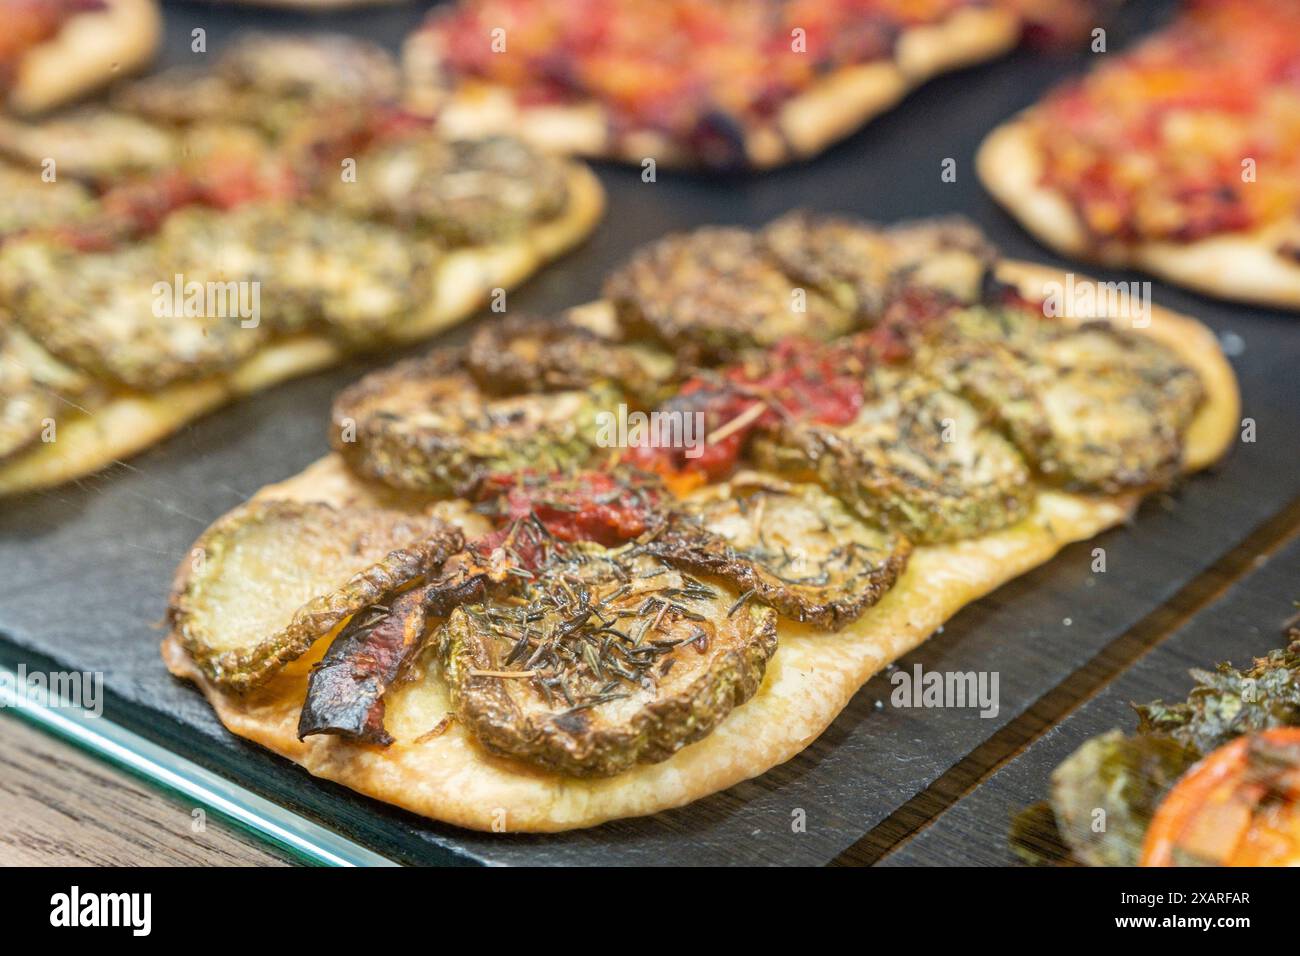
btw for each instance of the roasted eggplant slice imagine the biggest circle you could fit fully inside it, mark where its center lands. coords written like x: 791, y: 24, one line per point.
x: 713, y: 292
x: 860, y: 266
x: 426, y: 425
x: 466, y: 192
x: 917, y: 459
x: 24, y: 404
x: 604, y: 662
x: 1094, y: 408
x: 271, y: 578
x: 528, y: 354
x: 99, y: 312
x: 791, y: 546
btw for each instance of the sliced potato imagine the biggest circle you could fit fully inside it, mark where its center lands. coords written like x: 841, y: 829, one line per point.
x: 603, y: 663
x: 271, y: 578
x: 714, y: 292
x: 792, y: 546
x: 917, y: 459
x: 426, y: 425
x: 466, y: 192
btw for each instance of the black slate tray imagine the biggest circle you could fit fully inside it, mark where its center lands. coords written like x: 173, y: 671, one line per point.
x: 1248, y: 622
x: 84, y: 568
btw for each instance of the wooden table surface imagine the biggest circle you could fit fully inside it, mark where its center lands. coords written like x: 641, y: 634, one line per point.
x: 62, y: 807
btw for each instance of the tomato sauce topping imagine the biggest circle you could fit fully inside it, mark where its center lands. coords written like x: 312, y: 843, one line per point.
x: 683, y: 67
x: 1194, y: 133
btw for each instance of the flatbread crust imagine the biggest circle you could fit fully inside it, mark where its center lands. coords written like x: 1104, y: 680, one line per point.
x: 1240, y: 266
x: 307, y: 4
x: 89, y: 51
x: 808, y: 123
x: 448, y: 777
x: 128, y: 422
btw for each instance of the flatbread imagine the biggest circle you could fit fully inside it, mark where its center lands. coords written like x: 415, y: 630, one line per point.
x: 841, y: 102
x: 126, y: 422
x: 448, y: 776
x: 1244, y: 267
x: 90, y: 50
x: 307, y: 4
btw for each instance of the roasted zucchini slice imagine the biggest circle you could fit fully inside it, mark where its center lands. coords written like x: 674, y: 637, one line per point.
x: 31, y: 203
x: 311, y: 67
x: 268, y: 580
x: 426, y: 425
x: 604, y: 662
x: 24, y: 404
x: 1117, y: 404
x: 345, y: 692
x: 530, y: 353
x: 179, y: 96
x: 949, y: 255
x: 1093, y: 408
x: 792, y: 546
x: 89, y: 143
x: 860, y: 266
x: 466, y: 192
x: 266, y: 79
x: 917, y: 459
x: 44, y: 369
x: 713, y: 292
x: 846, y: 260
x: 97, y: 312
x: 358, y: 280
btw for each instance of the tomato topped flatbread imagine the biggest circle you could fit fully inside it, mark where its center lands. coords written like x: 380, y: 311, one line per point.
x: 722, y: 83
x: 1181, y: 155
x: 52, y: 51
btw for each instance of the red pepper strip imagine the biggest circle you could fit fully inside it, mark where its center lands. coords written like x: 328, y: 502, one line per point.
x: 588, y: 506
x: 345, y: 693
